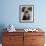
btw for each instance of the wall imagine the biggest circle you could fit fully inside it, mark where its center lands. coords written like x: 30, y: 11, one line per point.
x: 10, y: 13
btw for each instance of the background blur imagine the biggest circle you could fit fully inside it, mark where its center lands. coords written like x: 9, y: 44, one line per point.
x: 9, y: 14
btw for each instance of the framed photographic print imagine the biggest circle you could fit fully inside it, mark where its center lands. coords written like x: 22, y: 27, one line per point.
x: 26, y: 13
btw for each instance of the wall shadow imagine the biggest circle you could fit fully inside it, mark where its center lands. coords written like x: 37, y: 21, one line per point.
x: 2, y: 29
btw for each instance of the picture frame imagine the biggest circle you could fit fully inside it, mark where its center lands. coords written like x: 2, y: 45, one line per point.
x: 26, y: 13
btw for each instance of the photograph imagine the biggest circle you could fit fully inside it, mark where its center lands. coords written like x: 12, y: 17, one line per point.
x: 26, y: 13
